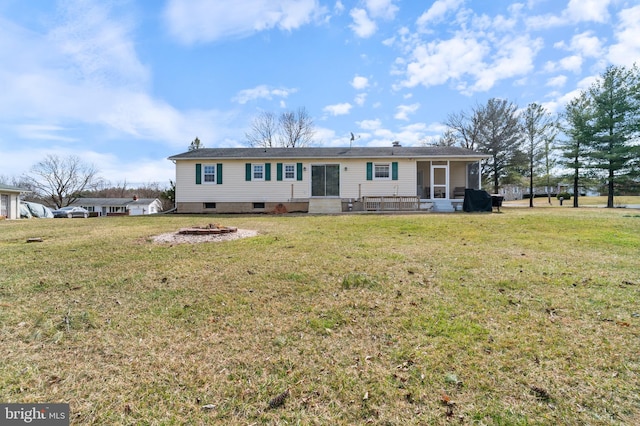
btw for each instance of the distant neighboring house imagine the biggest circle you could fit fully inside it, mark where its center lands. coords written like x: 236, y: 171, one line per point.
x: 10, y: 201
x: 584, y: 191
x: 120, y: 206
x: 324, y: 180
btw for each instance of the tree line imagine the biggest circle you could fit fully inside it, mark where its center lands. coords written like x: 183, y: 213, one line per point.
x: 596, y: 138
x: 60, y: 181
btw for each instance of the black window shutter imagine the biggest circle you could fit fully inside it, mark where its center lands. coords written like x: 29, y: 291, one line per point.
x: 247, y: 169
x: 267, y: 171
x: 219, y: 173
x: 278, y: 171
x: 198, y: 174
x: 369, y: 171
x: 394, y: 170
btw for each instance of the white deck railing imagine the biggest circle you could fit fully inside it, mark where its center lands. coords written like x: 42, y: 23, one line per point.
x: 390, y: 202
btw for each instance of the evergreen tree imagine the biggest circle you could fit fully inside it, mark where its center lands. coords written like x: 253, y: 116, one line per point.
x: 615, y: 105
x: 195, y: 144
x: 500, y: 136
x: 576, y: 126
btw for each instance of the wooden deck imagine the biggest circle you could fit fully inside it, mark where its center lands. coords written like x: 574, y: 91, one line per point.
x: 391, y: 203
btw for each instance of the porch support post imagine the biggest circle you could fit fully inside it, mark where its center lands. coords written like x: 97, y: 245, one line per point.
x: 448, y: 177
x: 479, y: 176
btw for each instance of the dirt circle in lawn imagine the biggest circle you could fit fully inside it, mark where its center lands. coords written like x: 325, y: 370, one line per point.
x: 186, y: 238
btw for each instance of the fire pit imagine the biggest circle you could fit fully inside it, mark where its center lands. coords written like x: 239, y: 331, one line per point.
x: 212, y: 228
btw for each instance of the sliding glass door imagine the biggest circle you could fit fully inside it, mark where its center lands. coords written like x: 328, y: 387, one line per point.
x: 325, y: 180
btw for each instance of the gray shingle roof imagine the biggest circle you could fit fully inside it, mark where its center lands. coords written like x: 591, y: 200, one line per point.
x: 112, y: 201
x: 9, y: 188
x: 356, y: 152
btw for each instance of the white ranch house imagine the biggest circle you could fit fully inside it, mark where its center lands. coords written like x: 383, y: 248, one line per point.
x: 120, y: 206
x: 10, y: 201
x: 324, y: 180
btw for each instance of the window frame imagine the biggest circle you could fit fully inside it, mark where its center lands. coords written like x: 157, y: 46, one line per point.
x: 375, y: 171
x: 213, y: 174
x: 293, y: 171
x: 254, y: 166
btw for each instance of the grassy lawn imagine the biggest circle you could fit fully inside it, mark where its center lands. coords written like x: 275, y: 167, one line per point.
x: 527, y: 317
x: 599, y: 201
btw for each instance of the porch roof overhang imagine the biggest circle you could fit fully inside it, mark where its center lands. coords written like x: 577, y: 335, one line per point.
x: 418, y: 153
x: 12, y: 189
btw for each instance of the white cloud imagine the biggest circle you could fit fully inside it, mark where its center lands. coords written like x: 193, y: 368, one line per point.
x: 338, y: 7
x: 360, y: 99
x: 514, y: 57
x: 192, y: 21
x: 572, y: 63
x: 99, y: 47
x: 364, y: 19
x: 403, y: 111
x: 362, y: 25
x: 261, y: 92
x: 42, y: 132
x: 85, y: 73
x: 109, y: 166
x: 437, y: 62
x: 627, y: 49
x: 327, y: 137
x: 384, y: 9
x: 437, y: 12
x: 370, y: 124
x: 587, y: 44
x: 359, y: 82
x: 338, y: 109
x: 576, y: 11
x: 588, y: 10
x: 557, y: 81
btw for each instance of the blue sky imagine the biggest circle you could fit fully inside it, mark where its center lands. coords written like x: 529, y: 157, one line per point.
x: 124, y: 84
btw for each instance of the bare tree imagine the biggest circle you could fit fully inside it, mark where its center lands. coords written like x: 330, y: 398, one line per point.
x: 60, y: 181
x: 448, y: 138
x: 263, y: 131
x: 465, y: 128
x: 538, y: 128
x: 289, y: 130
x: 296, y: 129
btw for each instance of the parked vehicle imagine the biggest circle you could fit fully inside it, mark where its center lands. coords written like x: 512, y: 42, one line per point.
x: 71, y: 211
x: 29, y: 209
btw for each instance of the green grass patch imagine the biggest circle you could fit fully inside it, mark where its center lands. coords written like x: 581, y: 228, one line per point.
x: 528, y: 317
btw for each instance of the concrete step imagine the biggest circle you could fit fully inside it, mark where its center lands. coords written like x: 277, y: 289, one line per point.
x: 325, y: 205
x: 442, y: 206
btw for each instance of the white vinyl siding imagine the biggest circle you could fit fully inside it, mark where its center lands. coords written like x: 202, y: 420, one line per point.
x: 236, y: 188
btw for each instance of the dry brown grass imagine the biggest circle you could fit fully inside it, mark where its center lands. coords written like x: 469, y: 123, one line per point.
x: 523, y: 317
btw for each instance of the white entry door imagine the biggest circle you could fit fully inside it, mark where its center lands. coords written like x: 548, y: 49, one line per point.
x: 439, y: 181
